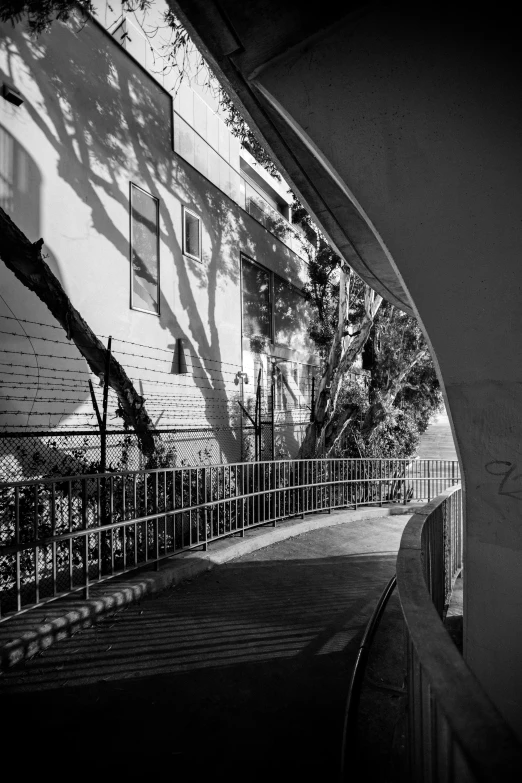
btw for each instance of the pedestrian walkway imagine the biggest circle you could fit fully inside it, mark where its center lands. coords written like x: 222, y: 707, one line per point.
x: 240, y: 674
x: 437, y: 442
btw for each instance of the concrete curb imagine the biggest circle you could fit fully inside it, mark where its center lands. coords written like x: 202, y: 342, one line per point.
x: 25, y: 635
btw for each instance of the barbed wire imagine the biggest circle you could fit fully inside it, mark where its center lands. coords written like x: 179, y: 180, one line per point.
x: 162, y: 405
x: 91, y: 416
x: 183, y: 400
x: 82, y: 359
x: 106, y: 337
x: 171, y: 351
x: 178, y: 403
x: 94, y: 377
x: 62, y: 369
x: 23, y: 433
x: 202, y: 404
x: 114, y: 352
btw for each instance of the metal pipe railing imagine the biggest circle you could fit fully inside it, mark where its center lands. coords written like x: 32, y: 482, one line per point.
x: 454, y: 732
x: 356, y: 681
x: 61, y: 535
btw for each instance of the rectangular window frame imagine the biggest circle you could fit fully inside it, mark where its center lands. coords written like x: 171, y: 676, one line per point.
x: 272, y: 276
x: 157, y: 312
x: 271, y: 294
x: 187, y: 211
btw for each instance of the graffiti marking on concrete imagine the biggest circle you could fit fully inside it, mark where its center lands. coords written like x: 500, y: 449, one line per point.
x: 506, y: 470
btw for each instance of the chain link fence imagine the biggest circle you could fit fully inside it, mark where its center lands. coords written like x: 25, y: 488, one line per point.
x: 34, y: 455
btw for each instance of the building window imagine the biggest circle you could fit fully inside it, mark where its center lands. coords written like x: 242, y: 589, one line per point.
x: 291, y: 316
x: 292, y: 384
x: 257, y: 300
x: 144, y: 251
x: 191, y: 234
x: 274, y: 309
x: 20, y: 185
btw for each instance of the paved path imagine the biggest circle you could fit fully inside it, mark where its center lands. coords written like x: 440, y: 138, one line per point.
x: 239, y: 675
x: 437, y: 442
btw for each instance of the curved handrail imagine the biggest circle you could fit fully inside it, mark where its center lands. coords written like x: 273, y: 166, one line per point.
x: 354, y: 691
x: 475, y: 742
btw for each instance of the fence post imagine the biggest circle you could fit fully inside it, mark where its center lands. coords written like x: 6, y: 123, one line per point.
x: 272, y: 413
x: 103, y: 444
x: 156, y: 520
x: 257, y: 427
x: 85, y: 540
x: 330, y: 472
x: 205, y: 511
x: 273, y: 485
x: 241, y: 469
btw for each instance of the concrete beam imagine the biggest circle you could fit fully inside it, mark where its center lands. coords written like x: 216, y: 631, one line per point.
x: 401, y: 131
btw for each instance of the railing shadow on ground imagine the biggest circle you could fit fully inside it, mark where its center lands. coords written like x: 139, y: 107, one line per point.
x: 453, y: 731
x: 256, y: 654
x: 62, y: 535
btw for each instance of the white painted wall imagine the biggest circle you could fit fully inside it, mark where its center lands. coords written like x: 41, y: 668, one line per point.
x: 91, y: 123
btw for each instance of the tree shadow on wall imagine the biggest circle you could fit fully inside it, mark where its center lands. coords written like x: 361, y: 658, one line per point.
x: 27, y: 388
x: 111, y: 124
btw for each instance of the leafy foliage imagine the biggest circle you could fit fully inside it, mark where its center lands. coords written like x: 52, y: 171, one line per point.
x: 39, y: 14
x: 178, y: 52
x: 386, y: 418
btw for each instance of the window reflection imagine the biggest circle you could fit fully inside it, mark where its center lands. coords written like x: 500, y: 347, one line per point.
x: 144, y: 250
x: 192, y: 234
x: 20, y: 185
x: 291, y: 316
x: 256, y: 300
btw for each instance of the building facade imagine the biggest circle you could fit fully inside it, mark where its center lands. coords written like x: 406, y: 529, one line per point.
x: 400, y: 128
x: 166, y: 236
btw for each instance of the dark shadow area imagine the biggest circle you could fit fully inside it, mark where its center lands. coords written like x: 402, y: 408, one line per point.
x: 239, y: 675
x: 378, y: 746
x: 454, y: 619
x: 455, y: 628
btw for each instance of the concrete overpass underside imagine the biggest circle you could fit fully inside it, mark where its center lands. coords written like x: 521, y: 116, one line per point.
x: 399, y: 127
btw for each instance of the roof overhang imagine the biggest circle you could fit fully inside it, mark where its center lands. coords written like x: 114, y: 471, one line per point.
x: 240, y: 40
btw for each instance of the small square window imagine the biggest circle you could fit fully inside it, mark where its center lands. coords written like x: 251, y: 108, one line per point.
x: 191, y: 234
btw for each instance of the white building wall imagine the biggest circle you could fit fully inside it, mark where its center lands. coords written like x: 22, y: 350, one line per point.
x: 82, y: 135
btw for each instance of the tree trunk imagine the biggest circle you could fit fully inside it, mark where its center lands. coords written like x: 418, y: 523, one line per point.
x: 324, y: 432
x: 25, y: 260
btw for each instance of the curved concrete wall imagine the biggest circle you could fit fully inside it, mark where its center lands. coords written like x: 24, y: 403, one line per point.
x: 422, y: 120
x: 415, y: 116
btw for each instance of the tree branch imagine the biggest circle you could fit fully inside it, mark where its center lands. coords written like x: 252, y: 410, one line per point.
x: 321, y: 437
x: 377, y: 412
x: 25, y: 260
